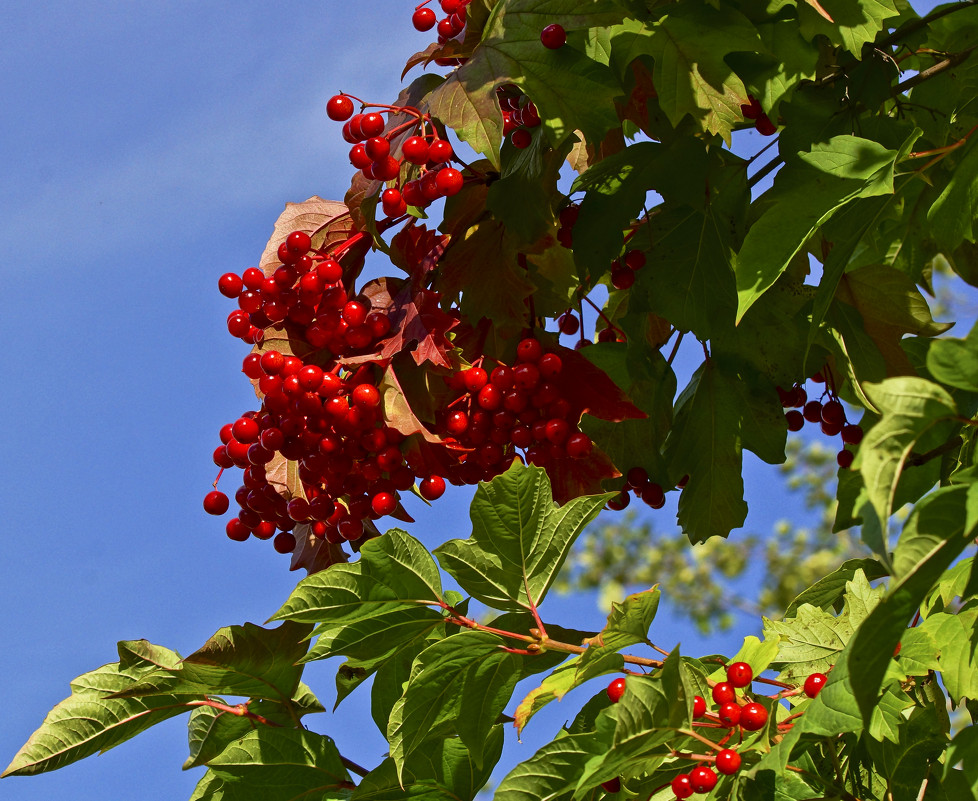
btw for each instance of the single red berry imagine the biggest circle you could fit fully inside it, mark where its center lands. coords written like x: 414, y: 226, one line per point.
x: 298, y: 242
x: 753, y: 716
x: 521, y: 139
x: 568, y: 215
x: 350, y: 528
x: 795, y: 420
x: 729, y: 714
x: 751, y: 109
x: 245, y: 429
x: 383, y: 503
x: 377, y: 148
x: 681, y: 786
x: 616, y: 690
x: 230, y: 285
x: 253, y: 278
x: 723, y: 693
x: 457, y: 423
x: 813, y: 411
x: 440, y: 151
x: 529, y: 350
x: 833, y: 413
x: 653, y: 495
x: 728, y: 762
x: 372, y: 125
x: 622, y: 278
x: 764, y: 126
x: 852, y: 434
x: 814, y: 684
x: 339, y: 108
x: 634, y: 259
x: 366, y: 396
x: 415, y: 150
x: 423, y: 19
x: 619, y: 502
x: 568, y: 324
x: 699, y: 706
x: 739, y: 674
x: 216, y: 503
x: 702, y: 779
x: 432, y: 488
x: 553, y: 37
x: 579, y: 445
x: 236, y: 530
x: 449, y: 181
x: 284, y: 542
x: 845, y: 459
x: 612, y: 785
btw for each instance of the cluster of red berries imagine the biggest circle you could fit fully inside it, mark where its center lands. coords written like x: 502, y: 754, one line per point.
x: 509, y: 408
x: 519, y: 115
x: 637, y: 480
x: 762, y: 123
x: 320, y: 414
x: 372, y: 154
x: 449, y: 26
x: 623, y: 270
x: 829, y: 414
x: 566, y: 219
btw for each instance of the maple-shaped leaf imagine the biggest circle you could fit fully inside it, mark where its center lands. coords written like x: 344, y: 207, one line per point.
x: 484, y: 265
x: 416, y: 250
x: 849, y: 23
x: 572, y: 478
x: 891, y: 306
x: 312, y: 553
x: 415, y: 317
x: 587, y: 388
x: 327, y: 222
x: 689, y: 46
x: 571, y: 90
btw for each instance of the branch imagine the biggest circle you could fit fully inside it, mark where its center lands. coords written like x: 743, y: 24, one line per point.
x: 951, y: 61
x: 917, y: 459
x: 923, y: 22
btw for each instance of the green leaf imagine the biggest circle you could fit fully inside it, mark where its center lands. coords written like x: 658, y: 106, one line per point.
x: 570, y: 90
x: 689, y: 45
x: 238, y: 660
x: 433, y: 696
x: 519, y: 540
x: 554, y: 687
x: 551, y: 771
x: 961, y: 753
x: 958, y: 660
x: 954, y: 362
x: 275, y: 764
x: 211, y: 730
x: 938, y: 529
x: 812, y: 639
x: 443, y: 770
x: 370, y: 607
x: 89, y: 722
x: 854, y: 22
x: 911, y: 408
x: 952, y: 216
x: 705, y: 445
x: 827, y: 591
x: 805, y: 195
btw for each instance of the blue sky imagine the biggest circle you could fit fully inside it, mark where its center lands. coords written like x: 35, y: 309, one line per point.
x: 147, y: 149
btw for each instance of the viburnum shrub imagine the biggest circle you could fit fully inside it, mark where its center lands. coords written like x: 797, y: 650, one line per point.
x: 529, y: 339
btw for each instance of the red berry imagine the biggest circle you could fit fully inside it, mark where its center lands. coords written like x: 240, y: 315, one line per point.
x: 616, y: 690
x: 457, y: 423
x: 622, y: 278
x: 681, y: 786
x: 634, y: 259
x: 449, y: 181
x: 521, y: 139
x: 432, y: 488
x: 284, y: 542
x: 339, y: 108
x: 729, y: 714
x: 529, y: 350
x: 764, y: 126
x: 568, y: 324
x: 852, y: 434
x: 814, y: 684
x: 415, y: 150
x: 216, y: 503
x: 372, y: 125
x: 833, y: 413
x: 739, y: 674
x: 813, y: 411
x: 612, y: 785
x: 699, y: 706
x: 553, y: 37
x: 702, y: 779
x: 795, y: 420
x: 236, y: 530
x: 440, y: 151
x: 383, y: 503
x: 230, y: 285
x: 366, y: 396
x: 728, y: 762
x: 423, y: 19
x: 579, y: 445
x: 723, y: 693
x: 298, y: 242
x: 845, y: 459
x: 753, y: 716
x: 245, y: 430
x: 653, y: 495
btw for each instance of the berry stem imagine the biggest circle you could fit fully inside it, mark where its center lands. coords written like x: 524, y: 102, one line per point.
x: 219, y: 474
x: 701, y: 738
x: 604, y: 317
x: 675, y: 347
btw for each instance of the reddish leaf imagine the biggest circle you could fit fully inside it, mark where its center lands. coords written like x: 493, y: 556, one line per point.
x: 589, y: 389
x: 326, y: 221
x: 571, y: 478
x: 416, y: 250
x: 397, y: 409
x: 314, y: 554
x: 635, y: 107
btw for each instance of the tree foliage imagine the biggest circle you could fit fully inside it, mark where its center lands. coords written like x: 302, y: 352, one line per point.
x: 607, y: 174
